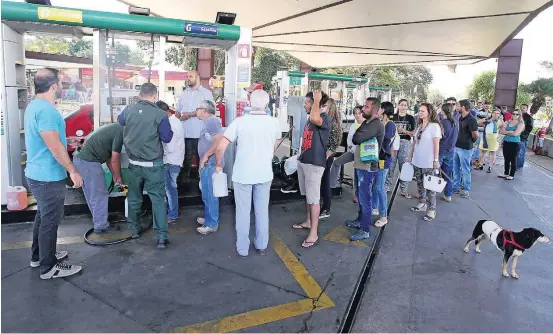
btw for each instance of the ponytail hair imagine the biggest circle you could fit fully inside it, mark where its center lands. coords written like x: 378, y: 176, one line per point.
x: 448, y: 112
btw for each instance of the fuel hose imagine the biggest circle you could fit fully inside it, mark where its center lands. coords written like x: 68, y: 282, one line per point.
x: 114, y: 241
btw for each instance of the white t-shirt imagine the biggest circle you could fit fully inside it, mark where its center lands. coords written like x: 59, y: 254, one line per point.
x: 423, y: 156
x: 489, y: 128
x: 255, y: 135
x: 173, y: 151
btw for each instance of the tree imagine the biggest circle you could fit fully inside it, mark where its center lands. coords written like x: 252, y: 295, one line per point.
x: 482, y: 87
x: 46, y: 44
x: 80, y: 48
x: 434, y: 96
x: 409, y: 82
x: 267, y: 62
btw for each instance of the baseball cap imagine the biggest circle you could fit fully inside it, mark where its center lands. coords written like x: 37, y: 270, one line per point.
x: 254, y: 86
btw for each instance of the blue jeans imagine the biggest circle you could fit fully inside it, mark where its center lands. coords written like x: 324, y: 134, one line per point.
x: 211, y: 203
x: 171, y: 174
x: 379, y: 198
x: 365, y: 179
x: 446, y: 164
x: 521, y: 155
x: 461, y: 169
x: 50, y: 197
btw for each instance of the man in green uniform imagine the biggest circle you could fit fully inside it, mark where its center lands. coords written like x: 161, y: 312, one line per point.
x: 146, y: 126
x: 101, y: 146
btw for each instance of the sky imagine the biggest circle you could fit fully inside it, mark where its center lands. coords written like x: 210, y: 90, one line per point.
x: 537, y: 47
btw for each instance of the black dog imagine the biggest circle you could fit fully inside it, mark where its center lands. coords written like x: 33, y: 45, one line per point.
x: 510, y: 243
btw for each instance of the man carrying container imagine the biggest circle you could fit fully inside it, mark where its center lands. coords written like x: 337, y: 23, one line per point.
x: 102, y: 146
x: 146, y: 126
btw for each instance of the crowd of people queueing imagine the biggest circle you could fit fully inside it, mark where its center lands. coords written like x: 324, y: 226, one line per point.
x: 154, y: 138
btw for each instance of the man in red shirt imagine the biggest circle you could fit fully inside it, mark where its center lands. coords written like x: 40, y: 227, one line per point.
x: 506, y: 114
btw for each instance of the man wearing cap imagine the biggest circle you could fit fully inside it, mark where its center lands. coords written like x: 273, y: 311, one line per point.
x: 146, y: 127
x: 187, y: 105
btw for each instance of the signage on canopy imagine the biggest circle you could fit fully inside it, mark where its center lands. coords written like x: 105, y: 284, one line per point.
x: 201, y: 29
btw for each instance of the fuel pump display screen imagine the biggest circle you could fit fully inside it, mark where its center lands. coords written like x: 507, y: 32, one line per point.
x: 118, y: 101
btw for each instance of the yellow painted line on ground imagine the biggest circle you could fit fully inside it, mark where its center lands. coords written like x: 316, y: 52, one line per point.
x: 249, y: 319
x: 341, y: 234
x: 80, y: 240
x: 306, y: 281
x: 318, y: 301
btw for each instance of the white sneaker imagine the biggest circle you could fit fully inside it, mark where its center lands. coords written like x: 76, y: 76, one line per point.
x: 61, y: 270
x: 376, y: 212
x: 206, y: 230
x: 59, y: 255
x: 200, y: 221
x: 380, y: 223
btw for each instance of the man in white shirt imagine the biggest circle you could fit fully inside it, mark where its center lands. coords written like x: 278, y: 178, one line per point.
x: 173, y: 156
x: 189, y: 101
x: 256, y: 135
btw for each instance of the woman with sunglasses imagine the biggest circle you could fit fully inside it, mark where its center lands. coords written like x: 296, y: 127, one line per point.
x: 490, y: 139
x: 425, y: 154
x: 512, y: 130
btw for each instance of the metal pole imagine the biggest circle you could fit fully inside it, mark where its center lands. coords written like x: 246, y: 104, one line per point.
x: 151, y: 60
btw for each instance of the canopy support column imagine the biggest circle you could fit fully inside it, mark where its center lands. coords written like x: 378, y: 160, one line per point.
x: 99, y: 72
x: 237, y: 77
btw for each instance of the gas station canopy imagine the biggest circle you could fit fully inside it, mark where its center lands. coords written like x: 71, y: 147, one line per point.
x: 331, y: 33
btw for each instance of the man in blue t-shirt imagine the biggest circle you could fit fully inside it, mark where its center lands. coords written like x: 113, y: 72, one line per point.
x: 47, y: 163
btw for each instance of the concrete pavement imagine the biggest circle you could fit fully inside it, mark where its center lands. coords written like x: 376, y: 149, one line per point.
x: 423, y: 281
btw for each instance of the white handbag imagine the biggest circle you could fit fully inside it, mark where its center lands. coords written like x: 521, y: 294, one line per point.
x: 434, y: 183
x: 407, y: 172
x: 291, y: 165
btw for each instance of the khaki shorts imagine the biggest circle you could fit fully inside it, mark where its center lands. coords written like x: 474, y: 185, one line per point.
x: 309, y: 178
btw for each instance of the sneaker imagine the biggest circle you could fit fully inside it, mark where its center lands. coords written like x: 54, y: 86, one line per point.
x: 136, y: 234
x: 200, y: 221
x: 489, y: 170
x: 205, y: 230
x: 447, y: 198
x: 171, y: 221
x: 480, y: 167
x: 324, y: 214
x: 61, y: 270
x: 509, y: 178
x: 376, y: 212
x: 360, y: 235
x: 109, y: 229
x: 387, y: 189
x: 464, y: 194
x: 162, y: 243
x: 502, y: 176
x: 456, y: 191
x: 353, y: 223
x: 262, y: 252
x: 289, y: 189
x: 59, y: 255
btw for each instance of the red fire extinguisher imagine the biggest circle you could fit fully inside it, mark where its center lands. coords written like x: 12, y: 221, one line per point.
x: 221, y: 107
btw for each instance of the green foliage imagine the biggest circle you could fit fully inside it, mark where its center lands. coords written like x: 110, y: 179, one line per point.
x: 540, y: 89
x: 434, y: 96
x: 523, y: 97
x: 77, y: 47
x: 403, y: 80
x: 482, y: 87
x: 267, y: 62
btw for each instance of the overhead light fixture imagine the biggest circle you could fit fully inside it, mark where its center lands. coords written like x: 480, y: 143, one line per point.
x: 139, y: 11
x: 225, y: 18
x: 39, y: 2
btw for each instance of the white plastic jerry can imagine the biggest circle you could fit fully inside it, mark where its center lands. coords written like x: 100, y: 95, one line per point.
x: 220, y: 188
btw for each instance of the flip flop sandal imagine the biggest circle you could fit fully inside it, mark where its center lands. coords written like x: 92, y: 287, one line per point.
x: 429, y: 216
x: 300, y: 227
x: 418, y: 208
x: 309, y: 243
x: 380, y: 223
x: 406, y: 195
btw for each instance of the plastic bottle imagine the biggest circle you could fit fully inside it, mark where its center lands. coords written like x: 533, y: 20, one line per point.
x: 17, y: 198
x: 220, y: 188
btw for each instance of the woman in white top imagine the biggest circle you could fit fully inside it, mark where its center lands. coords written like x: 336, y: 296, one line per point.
x: 424, y: 156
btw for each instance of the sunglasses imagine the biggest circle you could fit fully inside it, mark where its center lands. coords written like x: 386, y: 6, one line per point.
x: 516, y: 114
